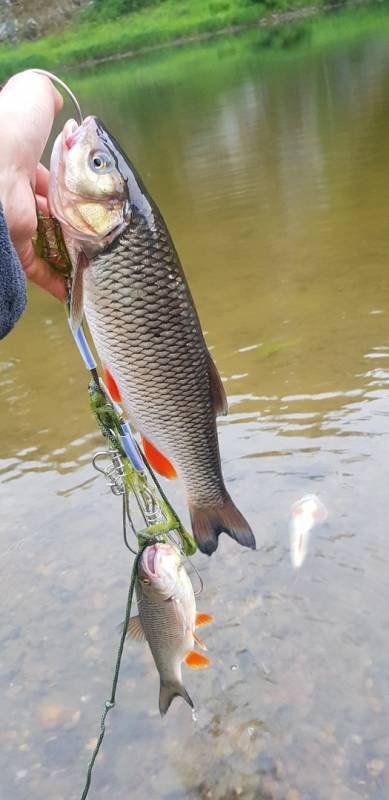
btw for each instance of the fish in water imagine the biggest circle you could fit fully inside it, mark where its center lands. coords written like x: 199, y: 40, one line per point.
x: 128, y: 279
x: 306, y: 513
x: 167, y: 619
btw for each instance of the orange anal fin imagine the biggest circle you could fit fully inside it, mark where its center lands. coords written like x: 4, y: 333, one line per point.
x: 199, y: 641
x: 196, y: 660
x: 203, y: 619
x: 111, y: 386
x: 157, y: 460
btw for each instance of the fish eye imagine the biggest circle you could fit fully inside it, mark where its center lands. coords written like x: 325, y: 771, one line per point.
x: 145, y: 580
x: 100, y: 162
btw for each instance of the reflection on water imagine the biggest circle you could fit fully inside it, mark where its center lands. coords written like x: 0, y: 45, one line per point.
x: 272, y: 175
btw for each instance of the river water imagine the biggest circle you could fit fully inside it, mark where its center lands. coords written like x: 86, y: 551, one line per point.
x: 271, y: 167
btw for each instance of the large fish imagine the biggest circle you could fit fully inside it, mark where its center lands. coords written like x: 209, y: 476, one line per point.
x: 129, y: 281
x: 167, y: 619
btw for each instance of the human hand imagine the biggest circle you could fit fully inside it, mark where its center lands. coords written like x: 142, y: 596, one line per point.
x: 28, y: 104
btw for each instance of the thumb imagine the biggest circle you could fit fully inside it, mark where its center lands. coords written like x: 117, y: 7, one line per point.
x: 40, y: 273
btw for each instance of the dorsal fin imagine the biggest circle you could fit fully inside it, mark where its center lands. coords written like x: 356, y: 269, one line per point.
x: 217, y: 389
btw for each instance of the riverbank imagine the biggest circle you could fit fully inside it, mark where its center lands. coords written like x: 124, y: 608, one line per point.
x: 171, y: 24
x: 166, y: 24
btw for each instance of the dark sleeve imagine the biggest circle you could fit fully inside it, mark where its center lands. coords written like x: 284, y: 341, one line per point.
x: 12, y: 282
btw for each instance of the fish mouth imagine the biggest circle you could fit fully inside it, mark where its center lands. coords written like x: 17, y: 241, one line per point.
x: 72, y: 132
x: 155, y: 560
x: 148, y: 561
x: 64, y: 141
x: 68, y: 133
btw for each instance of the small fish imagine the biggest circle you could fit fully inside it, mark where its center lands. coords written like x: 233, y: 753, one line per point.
x: 306, y: 513
x: 167, y: 619
x: 128, y: 279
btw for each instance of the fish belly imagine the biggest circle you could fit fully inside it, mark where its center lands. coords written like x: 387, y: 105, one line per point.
x: 147, y: 333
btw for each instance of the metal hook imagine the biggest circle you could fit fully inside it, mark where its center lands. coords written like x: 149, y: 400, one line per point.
x: 63, y: 85
x: 198, y: 592
x: 101, y: 454
x: 175, y: 540
x: 113, y: 471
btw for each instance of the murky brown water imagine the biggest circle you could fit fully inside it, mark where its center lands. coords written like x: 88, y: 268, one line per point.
x: 273, y: 177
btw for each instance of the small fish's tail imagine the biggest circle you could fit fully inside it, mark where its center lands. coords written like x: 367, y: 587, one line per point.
x: 208, y: 522
x: 168, y: 690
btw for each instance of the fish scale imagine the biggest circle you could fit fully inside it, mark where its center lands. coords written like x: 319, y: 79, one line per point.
x: 160, y: 344
x: 168, y: 632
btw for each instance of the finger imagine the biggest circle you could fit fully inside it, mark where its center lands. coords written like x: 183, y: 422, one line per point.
x: 42, y: 205
x: 20, y: 215
x: 31, y: 74
x: 44, y: 276
x: 42, y: 177
x: 28, y: 103
x: 58, y: 100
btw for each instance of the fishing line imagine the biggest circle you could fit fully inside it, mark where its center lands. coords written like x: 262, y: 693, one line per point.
x: 66, y: 89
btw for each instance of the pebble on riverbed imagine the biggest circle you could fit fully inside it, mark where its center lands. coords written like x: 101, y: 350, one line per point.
x: 52, y: 715
x: 375, y: 767
x: 292, y: 794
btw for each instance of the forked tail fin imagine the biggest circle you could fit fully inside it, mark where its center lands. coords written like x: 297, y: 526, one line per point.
x: 168, y: 690
x: 208, y: 522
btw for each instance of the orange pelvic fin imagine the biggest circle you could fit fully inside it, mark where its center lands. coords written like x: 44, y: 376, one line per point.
x: 196, y: 660
x: 203, y: 619
x: 157, y: 460
x: 111, y: 385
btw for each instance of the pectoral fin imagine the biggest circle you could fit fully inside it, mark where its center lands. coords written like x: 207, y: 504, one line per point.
x: 196, y: 660
x: 135, y: 629
x: 157, y: 460
x: 76, y: 297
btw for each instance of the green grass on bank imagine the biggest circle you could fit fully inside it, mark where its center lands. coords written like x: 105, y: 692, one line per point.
x: 157, y: 24
x: 273, y: 47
